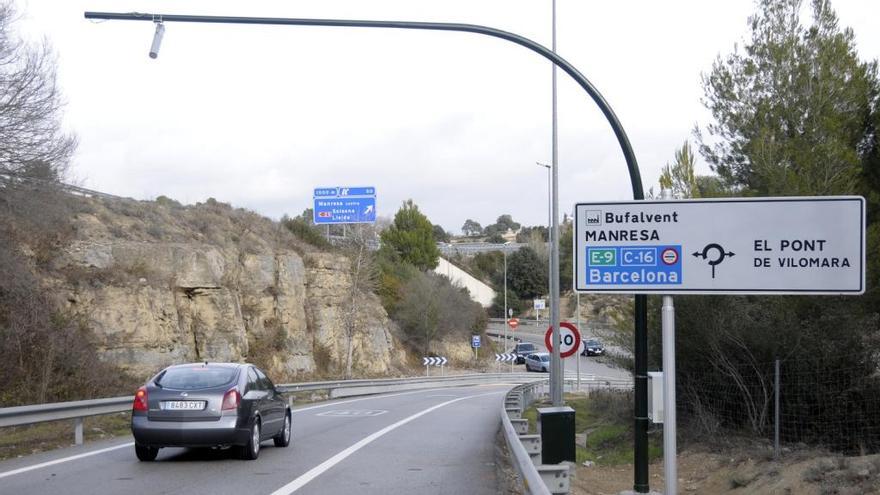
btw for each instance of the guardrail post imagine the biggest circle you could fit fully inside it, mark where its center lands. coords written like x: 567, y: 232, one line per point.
x: 78, y: 431
x: 532, y: 444
x: 556, y: 477
x: 520, y: 425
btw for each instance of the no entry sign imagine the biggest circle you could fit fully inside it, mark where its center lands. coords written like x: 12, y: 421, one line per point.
x: 569, y: 339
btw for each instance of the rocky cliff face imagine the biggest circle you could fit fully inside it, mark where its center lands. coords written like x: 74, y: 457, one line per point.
x: 150, y: 301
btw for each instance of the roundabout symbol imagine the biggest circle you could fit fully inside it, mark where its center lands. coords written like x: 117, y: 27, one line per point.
x: 718, y: 257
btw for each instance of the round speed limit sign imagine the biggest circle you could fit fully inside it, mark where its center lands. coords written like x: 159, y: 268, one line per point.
x: 569, y: 338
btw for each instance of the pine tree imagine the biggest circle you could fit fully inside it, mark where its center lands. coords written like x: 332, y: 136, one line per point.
x: 790, y: 108
x: 411, y: 237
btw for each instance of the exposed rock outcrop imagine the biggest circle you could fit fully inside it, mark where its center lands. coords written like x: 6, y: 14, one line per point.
x: 150, y: 303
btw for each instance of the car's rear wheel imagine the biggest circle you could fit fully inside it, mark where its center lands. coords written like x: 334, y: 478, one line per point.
x: 251, y: 450
x: 282, y: 439
x: 146, y: 454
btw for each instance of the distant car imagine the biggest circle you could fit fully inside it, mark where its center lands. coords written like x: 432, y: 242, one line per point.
x: 593, y: 347
x: 538, y: 361
x: 209, y: 405
x: 522, y: 350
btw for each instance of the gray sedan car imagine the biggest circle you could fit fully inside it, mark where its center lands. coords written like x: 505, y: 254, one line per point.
x: 538, y: 361
x: 209, y: 405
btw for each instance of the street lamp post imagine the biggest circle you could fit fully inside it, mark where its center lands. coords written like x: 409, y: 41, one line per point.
x: 556, y: 378
x: 504, y: 316
x: 556, y: 367
x: 549, y: 220
x: 640, y: 483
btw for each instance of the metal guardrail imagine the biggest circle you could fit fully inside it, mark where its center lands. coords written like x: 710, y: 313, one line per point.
x: 522, y: 396
x: 348, y: 388
x: 525, y: 449
x: 23, y: 415
x: 77, y: 410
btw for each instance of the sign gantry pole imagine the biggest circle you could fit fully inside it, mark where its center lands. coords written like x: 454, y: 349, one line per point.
x: 577, y: 319
x: 670, y: 449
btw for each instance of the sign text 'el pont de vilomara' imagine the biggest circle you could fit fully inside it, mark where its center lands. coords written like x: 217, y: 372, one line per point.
x: 722, y: 246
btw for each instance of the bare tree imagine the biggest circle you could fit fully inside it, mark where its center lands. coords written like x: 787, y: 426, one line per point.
x: 30, y: 106
x: 363, y: 273
x: 751, y: 382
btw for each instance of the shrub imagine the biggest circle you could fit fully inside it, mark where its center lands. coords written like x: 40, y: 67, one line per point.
x: 308, y: 233
x: 432, y: 308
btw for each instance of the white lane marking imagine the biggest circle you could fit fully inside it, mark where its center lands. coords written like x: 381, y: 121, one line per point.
x: 352, y: 413
x: 336, y: 459
x: 64, y: 459
x: 372, y: 397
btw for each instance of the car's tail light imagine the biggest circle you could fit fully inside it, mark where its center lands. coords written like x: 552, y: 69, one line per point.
x: 231, y: 399
x: 140, y: 400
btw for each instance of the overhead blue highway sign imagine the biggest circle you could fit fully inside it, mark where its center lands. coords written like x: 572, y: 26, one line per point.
x: 335, y: 205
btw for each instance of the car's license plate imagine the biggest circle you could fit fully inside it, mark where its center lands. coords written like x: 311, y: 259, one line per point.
x: 188, y: 405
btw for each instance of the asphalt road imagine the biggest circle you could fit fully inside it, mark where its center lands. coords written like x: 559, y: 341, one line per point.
x: 428, y: 441
x: 588, y: 365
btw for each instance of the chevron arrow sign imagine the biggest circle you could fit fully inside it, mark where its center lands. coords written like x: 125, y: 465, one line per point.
x: 434, y: 361
x: 504, y: 358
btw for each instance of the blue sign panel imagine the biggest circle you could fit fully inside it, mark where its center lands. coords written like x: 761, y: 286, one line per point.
x: 345, y: 210
x: 475, y: 341
x: 326, y: 192
x: 344, y: 205
x: 642, y: 265
x: 357, y: 191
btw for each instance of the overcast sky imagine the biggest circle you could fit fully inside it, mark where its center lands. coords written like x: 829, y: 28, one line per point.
x: 260, y: 116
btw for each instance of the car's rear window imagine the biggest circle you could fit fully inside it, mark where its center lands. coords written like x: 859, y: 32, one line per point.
x: 526, y: 347
x: 191, y: 378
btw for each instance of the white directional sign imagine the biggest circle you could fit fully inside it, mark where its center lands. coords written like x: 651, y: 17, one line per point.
x: 722, y: 246
x: 539, y: 303
x: 504, y: 358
